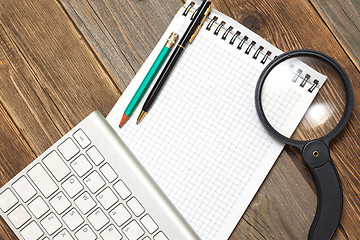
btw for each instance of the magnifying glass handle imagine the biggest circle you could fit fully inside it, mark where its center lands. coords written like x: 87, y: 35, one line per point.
x: 316, y: 156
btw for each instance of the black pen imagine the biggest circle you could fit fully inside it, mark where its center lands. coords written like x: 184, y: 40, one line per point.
x: 189, y: 36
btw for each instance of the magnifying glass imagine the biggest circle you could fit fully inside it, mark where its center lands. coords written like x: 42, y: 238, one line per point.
x: 309, y: 81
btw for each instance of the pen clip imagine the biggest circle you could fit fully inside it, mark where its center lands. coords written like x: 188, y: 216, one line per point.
x: 198, y: 28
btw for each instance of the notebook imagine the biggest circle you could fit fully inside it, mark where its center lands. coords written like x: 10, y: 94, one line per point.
x: 202, y: 140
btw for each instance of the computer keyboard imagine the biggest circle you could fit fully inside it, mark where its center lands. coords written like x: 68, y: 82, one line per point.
x: 89, y: 186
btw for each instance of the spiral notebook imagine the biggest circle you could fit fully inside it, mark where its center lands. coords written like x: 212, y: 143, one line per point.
x: 202, y: 140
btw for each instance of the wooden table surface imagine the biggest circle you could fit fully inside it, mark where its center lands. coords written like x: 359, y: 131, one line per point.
x: 62, y: 59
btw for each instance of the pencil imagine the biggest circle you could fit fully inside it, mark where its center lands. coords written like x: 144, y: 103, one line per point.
x: 148, y: 78
x: 188, y: 37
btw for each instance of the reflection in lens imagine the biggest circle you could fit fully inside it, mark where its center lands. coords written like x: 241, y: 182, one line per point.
x: 305, y: 90
x: 318, y: 114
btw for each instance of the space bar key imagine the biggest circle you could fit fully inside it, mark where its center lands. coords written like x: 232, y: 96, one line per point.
x: 42, y: 180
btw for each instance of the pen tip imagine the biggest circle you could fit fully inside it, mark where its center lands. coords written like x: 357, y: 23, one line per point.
x: 124, y: 120
x: 141, y: 117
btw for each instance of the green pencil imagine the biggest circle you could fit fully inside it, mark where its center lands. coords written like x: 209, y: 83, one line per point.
x: 148, y: 78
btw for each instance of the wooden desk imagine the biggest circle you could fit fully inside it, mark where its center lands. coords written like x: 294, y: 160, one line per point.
x: 62, y: 59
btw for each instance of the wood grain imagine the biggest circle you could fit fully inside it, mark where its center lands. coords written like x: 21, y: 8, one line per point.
x: 60, y: 60
x: 55, y: 80
x: 49, y: 81
x: 122, y: 33
x: 342, y: 18
x: 12, y: 147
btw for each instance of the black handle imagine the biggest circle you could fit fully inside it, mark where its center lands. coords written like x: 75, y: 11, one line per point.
x: 316, y: 156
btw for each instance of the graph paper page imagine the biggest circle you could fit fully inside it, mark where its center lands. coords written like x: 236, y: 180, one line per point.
x: 202, y: 140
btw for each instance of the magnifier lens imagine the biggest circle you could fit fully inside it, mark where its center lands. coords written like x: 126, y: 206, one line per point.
x: 289, y: 89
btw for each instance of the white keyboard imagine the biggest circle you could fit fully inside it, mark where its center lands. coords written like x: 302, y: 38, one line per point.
x: 89, y: 186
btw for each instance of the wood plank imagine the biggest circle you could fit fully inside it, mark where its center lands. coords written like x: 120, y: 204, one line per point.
x: 55, y: 80
x: 342, y: 17
x: 284, y: 206
x: 49, y: 81
x: 12, y: 148
x: 122, y: 33
x: 24, y: 101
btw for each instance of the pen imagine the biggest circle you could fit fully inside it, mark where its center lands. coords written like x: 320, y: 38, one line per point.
x: 189, y: 36
x: 148, y: 78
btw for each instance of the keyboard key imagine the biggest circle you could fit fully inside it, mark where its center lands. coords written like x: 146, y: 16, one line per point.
x: 133, y: 231
x: 19, y: 216
x: 85, y: 203
x: 94, y: 182
x: 149, y: 223
x: 122, y: 189
x: 146, y: 238
x: 51, y: 223
x: 85, y: 234
x: 120, y: 215
x: 38, y: 207
x: 95, y: 155
x: 160, y: 236
x: 7, y: 200
x: 60, y: 203
x: 135, y: 206
x: 73, y: 219
x: 72, y: 186
x: 81, y: 138
x: 110, y: 233
x: 98, y: 219
x: 68, y: 149
x: 107, y: 198
x: 81, y: 165
x: 63, y: 235
x: 24, y: 189
x: 42, y: 180
x: 56, y: 166
x: 108, y: 172
x: 31, y: 232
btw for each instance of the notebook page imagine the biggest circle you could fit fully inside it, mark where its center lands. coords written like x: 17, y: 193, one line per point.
x: 202, y: 141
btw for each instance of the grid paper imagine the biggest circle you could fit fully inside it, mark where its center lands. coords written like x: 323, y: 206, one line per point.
x: 202, y: 140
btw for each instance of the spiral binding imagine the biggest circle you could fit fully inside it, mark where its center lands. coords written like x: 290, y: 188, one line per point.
x: 258, y: 52
x: 187, y: 9
x: 314, y: 85
x: 234, y: 37
x: 212, y: 21
x: 242, y: 41
x: 193, y: 15
x: 297, y: 75
x: 305, y: 79
x: 219, y: 27
x: 267, y: 54
x: 226, y: 33
x: 250, y: 46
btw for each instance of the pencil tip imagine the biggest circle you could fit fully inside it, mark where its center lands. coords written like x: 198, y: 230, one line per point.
x: 141, y: 117
x: 124, y: 120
